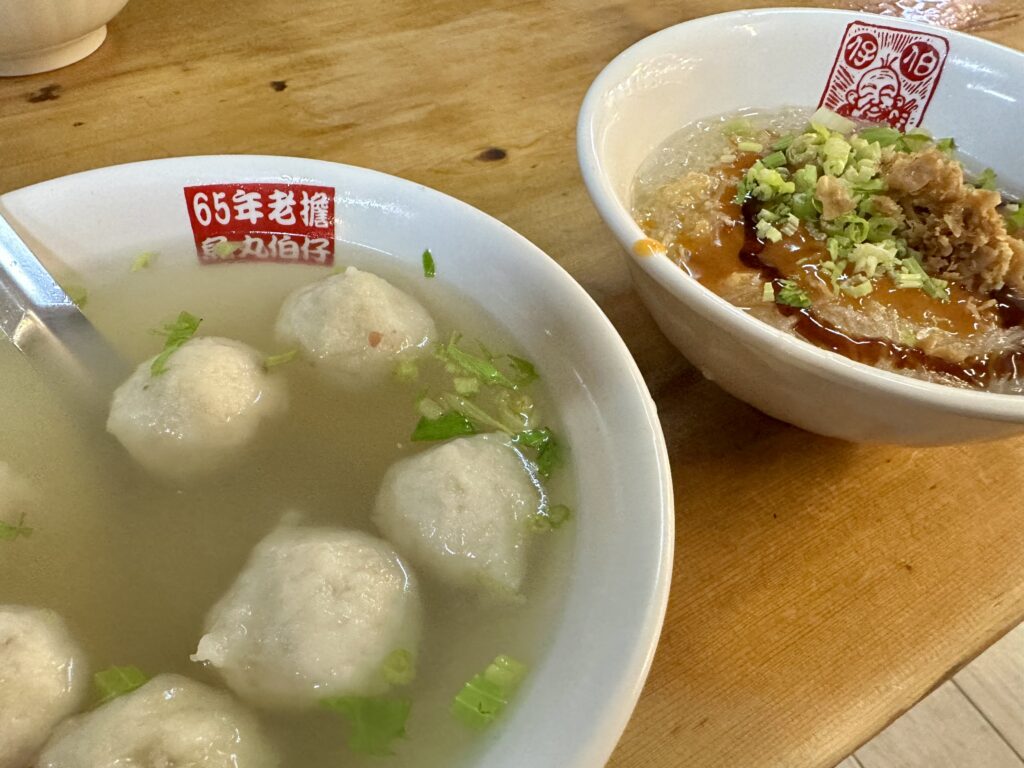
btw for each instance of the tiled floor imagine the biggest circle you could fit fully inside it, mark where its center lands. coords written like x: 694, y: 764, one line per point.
x: 975, y: 720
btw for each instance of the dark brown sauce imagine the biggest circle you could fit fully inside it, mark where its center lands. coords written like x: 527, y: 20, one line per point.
x: 977, y: 372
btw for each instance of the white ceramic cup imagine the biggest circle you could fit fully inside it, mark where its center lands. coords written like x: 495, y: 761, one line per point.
x: 773, y: 58
x: 40, y: 35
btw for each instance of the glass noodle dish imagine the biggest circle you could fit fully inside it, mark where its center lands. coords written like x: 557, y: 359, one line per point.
x: 323, y: 532
x: 883, y: 246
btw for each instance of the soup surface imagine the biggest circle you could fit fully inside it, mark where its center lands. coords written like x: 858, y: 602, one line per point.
x: 877, y: 245
x: 134, y: 563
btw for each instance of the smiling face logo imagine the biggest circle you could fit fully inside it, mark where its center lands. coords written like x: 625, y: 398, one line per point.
x: 877, y: 98
x: 885, y: 74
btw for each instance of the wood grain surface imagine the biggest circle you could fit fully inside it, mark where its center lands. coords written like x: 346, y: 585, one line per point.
x: 820, y: 588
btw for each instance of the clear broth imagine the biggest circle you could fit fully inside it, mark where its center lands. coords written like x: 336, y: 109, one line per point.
x: 134, y: 564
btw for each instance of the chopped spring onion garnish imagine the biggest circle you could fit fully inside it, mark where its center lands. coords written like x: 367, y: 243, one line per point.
x: 551, y: 518
x: 524, y: 370
x: 750, y: 146
x: 117, y: 681
x: 399, y: 667
x: 407, y: 370
x: 374, y: 723
x: 791, y: 295
x: 272, y: 361
x: 1015, y: 217
x: 986, y: 179
x: 482, y: 369
x: 177, y: 333
x: 9, y: 532
x: 768, y: 293
x: 484, y: 697
x: 466, y: 385
x: 448, y: 425
x: 429, y: 269
x: 142, y: 261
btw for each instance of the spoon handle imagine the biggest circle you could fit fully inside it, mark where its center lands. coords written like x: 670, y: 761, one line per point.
x: 45, y: 324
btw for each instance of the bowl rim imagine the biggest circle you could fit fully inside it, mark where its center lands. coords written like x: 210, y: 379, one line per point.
x: 643, y: 636
x: 711, y: 306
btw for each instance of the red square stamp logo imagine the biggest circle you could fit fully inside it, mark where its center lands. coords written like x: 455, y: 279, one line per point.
x: 285, y: 223
x: 885, y: 74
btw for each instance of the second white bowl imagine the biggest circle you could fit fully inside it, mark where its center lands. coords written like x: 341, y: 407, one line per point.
x: 774, y: 58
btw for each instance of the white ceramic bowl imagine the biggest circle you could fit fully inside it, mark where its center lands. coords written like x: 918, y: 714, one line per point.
x: 774, y: 58
x: 40, y: 35
x: 581, y: 692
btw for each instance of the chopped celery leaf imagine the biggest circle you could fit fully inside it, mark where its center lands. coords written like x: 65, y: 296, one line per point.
x: 9, y: 532
x: 448, y: 424
x: 551, y: 519
x: 177, y: 333
x: 429, y: 268
x: 524, y: 370
x: 374, y: 723
x: 272, y: 361
x: 484, y: 697
x: 117, y: 681
x: 483, y: 369
x: 399, y: 667
x: 548, y: 451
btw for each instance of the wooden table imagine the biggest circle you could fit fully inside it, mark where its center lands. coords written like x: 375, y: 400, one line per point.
x: 820, y: 588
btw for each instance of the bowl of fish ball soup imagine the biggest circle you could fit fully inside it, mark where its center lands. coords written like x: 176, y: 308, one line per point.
x: 378, y: 485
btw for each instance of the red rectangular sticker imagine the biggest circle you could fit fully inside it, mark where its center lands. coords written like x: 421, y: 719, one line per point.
x: 885, y: 74
x: 284, y: 223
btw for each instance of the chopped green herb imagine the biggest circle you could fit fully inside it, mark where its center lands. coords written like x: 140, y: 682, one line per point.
x: 750, y: 146
x: 791, y: 295
x: 739, y: 126
x: 9, y: 532
x: 272, y: 361
x: 986, y: 179
x: 525, y: 372
x: 768, y: 292
x: 407, y: 370
x: 399, y: 667
x: 466, y: 385
x: 774, y: 160
x: 484, y: 370
x: 177, y: 333
x: 429, y: 269
x: 484, y: 697
x: 946, y: 145
x: 374, y: 723
x: 551, y: 518
x: 77, y: 293
x: 1015, y: 218
x: 117, y: 681
x: 447, y: 425
x: 883, y: 135
x: 429, y: 409
x: 549, y: 453
x: 142, y: 261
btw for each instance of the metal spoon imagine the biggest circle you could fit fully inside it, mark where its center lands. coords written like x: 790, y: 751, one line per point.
x: 44, y: 323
